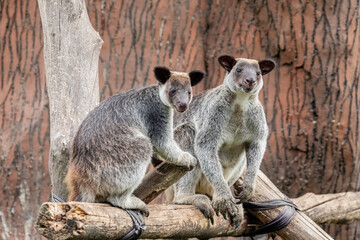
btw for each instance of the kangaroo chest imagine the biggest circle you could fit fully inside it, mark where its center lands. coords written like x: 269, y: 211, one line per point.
x: 243, y: 127
x: 238, y: 130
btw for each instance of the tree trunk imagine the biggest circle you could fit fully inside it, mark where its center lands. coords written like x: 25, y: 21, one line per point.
x: 71, y: 53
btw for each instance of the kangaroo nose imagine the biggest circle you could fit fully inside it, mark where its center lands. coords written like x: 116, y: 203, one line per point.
x: 250, y: 81
x: 182, y: 106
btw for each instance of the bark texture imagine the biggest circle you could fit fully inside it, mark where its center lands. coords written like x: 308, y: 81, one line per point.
x: 24, y: 120
x: 311, y: 99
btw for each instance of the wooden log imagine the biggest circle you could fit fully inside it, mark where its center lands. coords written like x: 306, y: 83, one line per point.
x: 300, y: 228
x: 158, y: 180
x: 340, y: 208
x: 71, y: 54
x: 76, y: 220
x: 101, y: 221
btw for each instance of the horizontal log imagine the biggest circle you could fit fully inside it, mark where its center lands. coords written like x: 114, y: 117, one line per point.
x: 340, y: 208
x: 77, y: 220
x: 101, y: 221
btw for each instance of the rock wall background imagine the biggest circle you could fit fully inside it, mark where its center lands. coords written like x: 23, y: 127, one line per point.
x: 311, y: 99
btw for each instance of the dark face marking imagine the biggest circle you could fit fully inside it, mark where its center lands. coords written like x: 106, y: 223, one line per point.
x: 179, y: 92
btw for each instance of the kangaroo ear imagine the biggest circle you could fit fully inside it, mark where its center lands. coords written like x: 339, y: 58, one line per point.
x: 227, y: 62
x: 266, y: 66
x: 162, y: 74
x: 196, y: 76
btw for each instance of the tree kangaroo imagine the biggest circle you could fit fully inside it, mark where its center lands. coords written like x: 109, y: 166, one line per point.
x: 114, y: 144
x: 225, y: 129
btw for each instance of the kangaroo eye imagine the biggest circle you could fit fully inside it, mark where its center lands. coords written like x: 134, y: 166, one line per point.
x: 189, y: 92
x: 258, y: 73
x: 172, y: 90
x: 238, y: 70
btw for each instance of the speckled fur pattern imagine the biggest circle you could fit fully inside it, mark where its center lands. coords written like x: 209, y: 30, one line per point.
x: 225, y: 129
x: 114, y: 144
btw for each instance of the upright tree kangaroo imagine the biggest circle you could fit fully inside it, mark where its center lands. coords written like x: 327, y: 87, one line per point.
x: 114, y: 144
x: 225, y: 129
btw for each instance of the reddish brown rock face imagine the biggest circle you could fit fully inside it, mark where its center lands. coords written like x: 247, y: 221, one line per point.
x: 311, y: 99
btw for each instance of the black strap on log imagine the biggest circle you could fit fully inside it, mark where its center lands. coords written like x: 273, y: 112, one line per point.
x: 139, y: 225
x: 281, y: 221
x: 136, y: 216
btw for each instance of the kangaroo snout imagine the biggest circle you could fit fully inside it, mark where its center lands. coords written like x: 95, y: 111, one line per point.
x: 181, y: 106
x: 250, y: 81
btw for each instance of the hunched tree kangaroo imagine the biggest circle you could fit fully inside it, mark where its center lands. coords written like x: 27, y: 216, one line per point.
x: 114, y: 144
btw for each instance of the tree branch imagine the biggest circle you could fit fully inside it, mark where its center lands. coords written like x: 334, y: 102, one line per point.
x: 158, y: 180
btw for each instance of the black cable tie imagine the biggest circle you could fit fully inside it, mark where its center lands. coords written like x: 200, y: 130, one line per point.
x: 136, y: 216
x: 139, y: 225
x: 278, y: 223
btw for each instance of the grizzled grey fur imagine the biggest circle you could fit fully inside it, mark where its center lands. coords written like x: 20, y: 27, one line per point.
x: 225, y: 129
x: 113, y: 146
